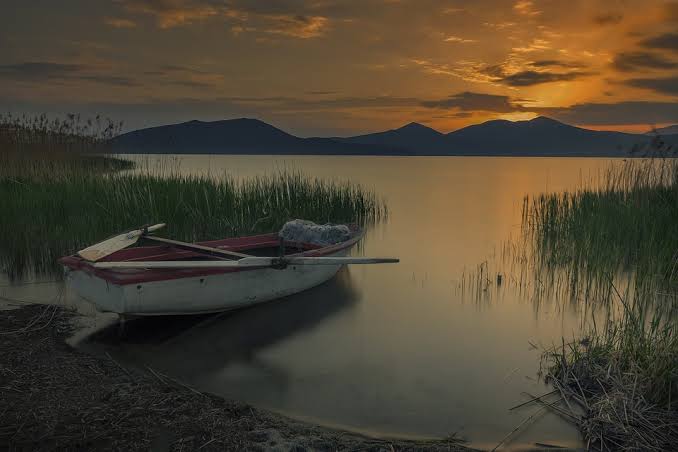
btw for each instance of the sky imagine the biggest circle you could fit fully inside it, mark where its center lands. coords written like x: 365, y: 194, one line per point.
x: 344, y: 67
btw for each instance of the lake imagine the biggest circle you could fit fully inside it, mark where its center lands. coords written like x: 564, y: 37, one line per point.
x: 415, y: 349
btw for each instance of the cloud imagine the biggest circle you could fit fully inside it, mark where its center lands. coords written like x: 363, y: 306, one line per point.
x: 191, y: 84
x: 179, y: 68
x: 608, y: 18
x: 667, y: 41
x: 668, y: 85
x: 285, y: 17
x: 525, y: 8
x: 50, y: 72
x: 631, y: 61
x: 554, y: 63
x: 499, y: 25
x: 534, y: 46
x: 459, y: 40
x: 514, y: 75
x: 318, y: 104
x: 46, y: 71
x: 173, y: 13
x: 120, y: 23
x: 469, y: 101
x: 620, y: 113
x: 453, y: 10
x: 39, y: 70
x: 298, y: 26
x: 531, y: 78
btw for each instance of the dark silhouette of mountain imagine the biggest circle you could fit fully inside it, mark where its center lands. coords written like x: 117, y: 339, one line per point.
x: 234, y: 136
x: 412, y: 136
x: 537, y: 137
x: 669, y: 130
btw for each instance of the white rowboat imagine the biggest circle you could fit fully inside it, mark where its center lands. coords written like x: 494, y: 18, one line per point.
x: 174, y: 277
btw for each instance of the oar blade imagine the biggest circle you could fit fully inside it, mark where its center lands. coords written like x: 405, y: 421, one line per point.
x: 100, y: 250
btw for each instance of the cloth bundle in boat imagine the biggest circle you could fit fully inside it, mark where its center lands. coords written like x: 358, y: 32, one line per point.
x: 309, y: 232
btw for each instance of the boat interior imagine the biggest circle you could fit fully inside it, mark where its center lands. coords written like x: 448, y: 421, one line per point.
x: 262, y: 245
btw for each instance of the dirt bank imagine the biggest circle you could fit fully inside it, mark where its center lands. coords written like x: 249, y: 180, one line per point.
x: 55, y: 397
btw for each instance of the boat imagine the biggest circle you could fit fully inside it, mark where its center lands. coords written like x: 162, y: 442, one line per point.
x: 169, y: 277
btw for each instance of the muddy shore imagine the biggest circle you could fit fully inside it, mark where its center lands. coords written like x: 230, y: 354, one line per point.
x: 53, y: 396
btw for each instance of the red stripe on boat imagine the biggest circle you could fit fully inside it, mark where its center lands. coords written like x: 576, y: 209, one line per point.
x: 168, y: 253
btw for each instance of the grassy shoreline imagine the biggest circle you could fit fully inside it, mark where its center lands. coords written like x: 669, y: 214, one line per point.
x: 45, y: 218
x: 623, y: 371
x: 56, y: 397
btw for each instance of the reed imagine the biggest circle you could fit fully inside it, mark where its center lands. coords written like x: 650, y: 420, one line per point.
x: 38, y: 146
x: 625, y: 379
x: 55, y: 206
x: 624, y: 372
x: 625, y: 225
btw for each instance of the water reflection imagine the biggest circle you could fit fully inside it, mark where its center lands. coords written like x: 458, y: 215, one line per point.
x: 208, y: 343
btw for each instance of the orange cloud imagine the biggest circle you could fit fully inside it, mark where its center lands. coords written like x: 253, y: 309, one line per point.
x: 173, y: 13
x: 119, y: 23
x: 526, y: 8
x: 459, y: 40
x: 303, y: 27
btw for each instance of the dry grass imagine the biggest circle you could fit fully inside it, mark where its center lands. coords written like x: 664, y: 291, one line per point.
x: 616, y: 396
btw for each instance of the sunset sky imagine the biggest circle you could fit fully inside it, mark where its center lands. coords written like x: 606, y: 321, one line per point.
x: 331, y: 67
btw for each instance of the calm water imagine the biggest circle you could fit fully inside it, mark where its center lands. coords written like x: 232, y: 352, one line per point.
x: 391, y: 349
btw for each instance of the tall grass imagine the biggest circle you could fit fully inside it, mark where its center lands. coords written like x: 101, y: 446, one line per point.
x: 38, y: 145
x: 624, y: 372
x: 52, y: 207
x: 626, y: 225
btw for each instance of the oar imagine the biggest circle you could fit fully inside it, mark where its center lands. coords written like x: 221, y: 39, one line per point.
x: 250, y: 262
x: 217, y: 252
x: 117, y: 243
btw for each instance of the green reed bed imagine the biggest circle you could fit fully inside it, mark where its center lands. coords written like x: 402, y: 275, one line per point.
x: 45, y: 218
x: 624, y: 373
x: 626, y: 225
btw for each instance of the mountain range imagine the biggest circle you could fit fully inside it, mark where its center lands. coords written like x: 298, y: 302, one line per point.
x: 670, y: 130
x: 537, y: 137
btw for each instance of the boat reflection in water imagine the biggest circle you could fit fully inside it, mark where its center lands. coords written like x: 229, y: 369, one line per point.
x: 226, y: 353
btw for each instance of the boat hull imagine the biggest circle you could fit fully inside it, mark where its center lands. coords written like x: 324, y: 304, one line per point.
x: 200, y: 294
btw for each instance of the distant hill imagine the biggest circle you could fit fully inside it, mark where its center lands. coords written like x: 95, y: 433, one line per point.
x: 670, y: 130
x: 413, y: 136
x: 538, y: 137
x: 234, y: 136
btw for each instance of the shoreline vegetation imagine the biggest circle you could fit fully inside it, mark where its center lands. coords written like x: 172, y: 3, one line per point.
x: 59, y: 195
x: 55, y: 397
x: 623, y: 372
